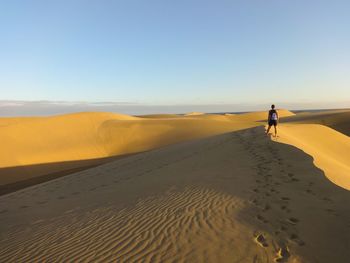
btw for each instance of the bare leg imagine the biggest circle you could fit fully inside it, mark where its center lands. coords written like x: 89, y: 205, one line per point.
x: 275, y: 130
x: 268, y: 129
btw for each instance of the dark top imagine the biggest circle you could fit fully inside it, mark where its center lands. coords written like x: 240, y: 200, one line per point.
x: 271, y: 112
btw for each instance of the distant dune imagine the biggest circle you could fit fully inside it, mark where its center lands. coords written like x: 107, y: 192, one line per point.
x: 262, y: 115
x: 194, y: 113
x: 161, y: 116
x: 336, y: 119
x: 197, y: 188
x: 87, y: 136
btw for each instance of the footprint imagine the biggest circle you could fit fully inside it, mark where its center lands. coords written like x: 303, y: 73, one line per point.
x: 327, y: 199
x: 283, y: 207
x: 282, y: 255
x: 261, y: 240
x: 284, y: 198
x: 284, y: 228
x: 293, y: 220
x: 296, y: 239
x: 255, y: 202
x: 262, y: 219
x: 266, y: 207
x: 329, y: 210
x: 60, y: 197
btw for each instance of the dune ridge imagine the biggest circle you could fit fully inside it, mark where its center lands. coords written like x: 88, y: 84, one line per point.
x: 329, y: 148
x: 262, y: 115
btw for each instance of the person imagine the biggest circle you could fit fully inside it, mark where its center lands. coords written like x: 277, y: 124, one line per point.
x: 272, y: 119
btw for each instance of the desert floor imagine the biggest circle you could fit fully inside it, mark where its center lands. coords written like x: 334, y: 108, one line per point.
x: 104, y: 187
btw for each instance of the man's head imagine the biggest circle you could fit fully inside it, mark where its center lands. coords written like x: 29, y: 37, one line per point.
x: 272, y: 106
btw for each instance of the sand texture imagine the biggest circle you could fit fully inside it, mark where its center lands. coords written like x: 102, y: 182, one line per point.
x: 202, y: 188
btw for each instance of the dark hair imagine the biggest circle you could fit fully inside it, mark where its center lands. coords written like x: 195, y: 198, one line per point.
x: 272, y: 106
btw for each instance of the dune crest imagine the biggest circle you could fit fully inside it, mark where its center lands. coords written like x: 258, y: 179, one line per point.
x: 329, y: 148
x: 262, y: 115
x: 194, y: 113
x: 160, y: 116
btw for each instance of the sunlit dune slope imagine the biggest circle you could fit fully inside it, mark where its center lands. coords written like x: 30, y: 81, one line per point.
x: 235, y: 197
x: 329, y: 148
x: 194, y: 113
x: 336, y: 119
x: 94, y: 135
x: 6, y: 121
x: 262, y: 115
x: 217, y: 117
x: 160, y: 116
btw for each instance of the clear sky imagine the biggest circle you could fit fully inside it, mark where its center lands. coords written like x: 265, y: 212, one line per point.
x: 175, y: 52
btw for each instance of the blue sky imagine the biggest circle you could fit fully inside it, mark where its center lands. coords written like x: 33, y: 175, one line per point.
x: 176, y: 52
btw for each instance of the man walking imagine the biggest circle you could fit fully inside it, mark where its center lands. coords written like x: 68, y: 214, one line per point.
x: 272, y: 119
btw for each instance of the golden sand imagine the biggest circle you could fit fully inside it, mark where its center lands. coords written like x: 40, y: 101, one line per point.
x: 237, y: 196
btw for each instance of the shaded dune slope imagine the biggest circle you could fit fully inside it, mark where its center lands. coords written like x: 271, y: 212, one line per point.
x: 336, y: 119
x: 237, y: 197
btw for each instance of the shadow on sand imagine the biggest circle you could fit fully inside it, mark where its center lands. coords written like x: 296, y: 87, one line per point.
x: 15, y: 178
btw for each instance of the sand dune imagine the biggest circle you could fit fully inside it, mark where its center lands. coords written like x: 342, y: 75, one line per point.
x: 194, y: 113
x: 236, y: 197
x: 160, y: 116
x: 262, y: 115
x: 240, y: 196
x: 329, y: 148
x: 336, y: 119
x: 87, y: 136
x: 92, y: 136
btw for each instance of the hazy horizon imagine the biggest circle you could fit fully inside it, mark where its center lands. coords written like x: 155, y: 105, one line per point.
x: 13, y: 108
